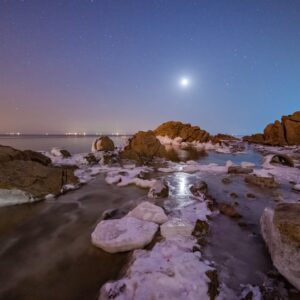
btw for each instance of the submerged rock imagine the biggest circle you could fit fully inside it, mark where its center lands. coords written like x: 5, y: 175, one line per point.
x: 143, y: 146
x: 226, y: 180
x: 199, y: 188
x: 147, y: 211
x: 159, y: 189
x: 228, y: 210
x: 176, y: 227
x: 124, y: 234
x: 239, y: 170
x: 281, y: 231
x: 261, y: 181
x: 60, y: 153
x: 103, y: 143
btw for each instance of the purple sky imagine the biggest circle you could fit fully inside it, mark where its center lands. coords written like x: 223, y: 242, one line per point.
x: 107, y: 66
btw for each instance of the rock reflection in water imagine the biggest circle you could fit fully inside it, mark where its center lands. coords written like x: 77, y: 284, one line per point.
x: 177, y: 154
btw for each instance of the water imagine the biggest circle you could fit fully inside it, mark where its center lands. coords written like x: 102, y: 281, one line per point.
x: 74, y: 144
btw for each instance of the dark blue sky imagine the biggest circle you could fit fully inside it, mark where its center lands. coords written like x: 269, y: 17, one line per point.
x: 105, y: 66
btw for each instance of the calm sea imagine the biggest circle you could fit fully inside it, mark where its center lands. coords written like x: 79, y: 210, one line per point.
x: 74, y: 144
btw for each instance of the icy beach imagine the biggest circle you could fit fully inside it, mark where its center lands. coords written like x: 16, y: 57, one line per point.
x: 182, y: 225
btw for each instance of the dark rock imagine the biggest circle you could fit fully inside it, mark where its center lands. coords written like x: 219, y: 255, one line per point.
x: 228, y: 210
x: 213, y: 285
x: 199, y: 188
x: 234, y: 195
x: 37, y: 157
x: 160, y: 189
x: 250, y: 195
x: 91, y: 159
x: 226, y: 180
x: 282, y: 159
x: 268, y: 182
x: 65, y: 153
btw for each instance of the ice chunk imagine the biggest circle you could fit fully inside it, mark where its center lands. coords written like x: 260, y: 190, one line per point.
x: 176, y: 227
x: 123, y: 234
x: 149, y: 212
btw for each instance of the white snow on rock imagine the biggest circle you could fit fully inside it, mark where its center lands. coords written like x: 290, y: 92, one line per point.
x: 147, y: 211
x: 56, y: 152
x: 296, y: 187
x: 254, y: 290
x: 14, y: 196
x: 127, y: 176
x: 171, y: 270
x: 124, y: 234
x: 175, y: 227
x: 280, y: 172
x: 246, y: 164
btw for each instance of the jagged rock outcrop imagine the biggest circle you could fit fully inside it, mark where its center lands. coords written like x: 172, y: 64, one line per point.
x: 281, y: 231
x: 143, y: 146
x: 286, y: 132
x: 187, y: 132
x: 103, y: 143
x: 32, y: 173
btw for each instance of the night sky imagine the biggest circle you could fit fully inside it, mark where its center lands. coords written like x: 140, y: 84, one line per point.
x: 107, y: 66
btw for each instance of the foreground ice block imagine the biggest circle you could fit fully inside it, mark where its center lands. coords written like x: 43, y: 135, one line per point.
x: 123, y: 234
x: 149, y: 212
x: 176, y: 227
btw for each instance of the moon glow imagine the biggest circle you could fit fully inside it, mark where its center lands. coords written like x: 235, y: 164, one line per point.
x: 184, y: 82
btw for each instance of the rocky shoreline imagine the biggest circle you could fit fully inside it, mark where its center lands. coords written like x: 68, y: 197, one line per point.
x: 174, y: 234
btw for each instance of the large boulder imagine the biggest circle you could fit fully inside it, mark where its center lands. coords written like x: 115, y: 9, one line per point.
x: 32, y: 173
x: 186, y: 132
x: 103, y: 143
x: 274, y: 134
x: 143, y: 146
x: 292, y: 128
x: 124, y: 234
x: 281, y: 231
x: 9, y: 154
x: 286, y: 132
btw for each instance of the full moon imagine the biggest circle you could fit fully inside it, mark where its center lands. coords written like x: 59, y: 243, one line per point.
x: 184, y: 82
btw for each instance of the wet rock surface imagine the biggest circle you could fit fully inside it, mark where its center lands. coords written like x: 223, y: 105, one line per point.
x: 31, y: 172
x: 261, y: 181
x: 143, y: 146
x: 103, y: 143
x: 239, y: 170
x: 281, y: 232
